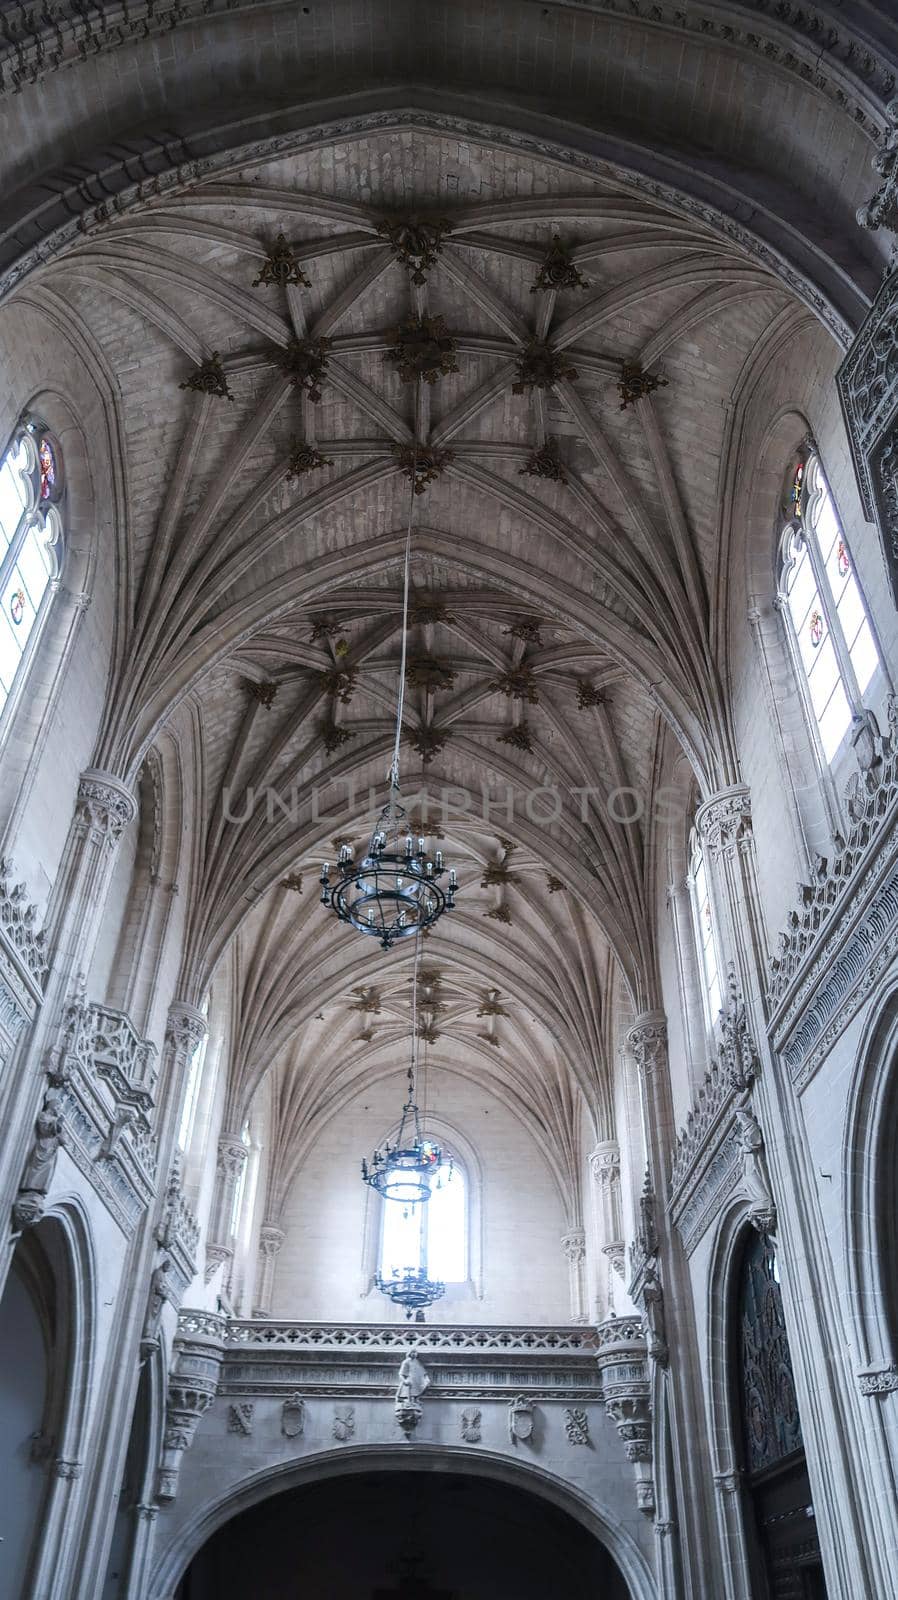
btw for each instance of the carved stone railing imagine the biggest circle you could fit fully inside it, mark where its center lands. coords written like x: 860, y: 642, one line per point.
x: 361, y: 1358
x: 23, y: 960
x: 844, y: 932
x: 426, y: 1338
x: 98, y: 1106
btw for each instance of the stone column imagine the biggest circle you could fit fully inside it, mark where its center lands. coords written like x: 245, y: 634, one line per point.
x: 688, y: 979
x: 232, y: 1158
x: 271, y: 1237
x: 725, y: 828
x: 574, y: 1246
x: 604, y: 1164
x: 661, y: 1285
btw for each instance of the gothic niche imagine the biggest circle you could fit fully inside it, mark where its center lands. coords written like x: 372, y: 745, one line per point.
x: 782, y: 1534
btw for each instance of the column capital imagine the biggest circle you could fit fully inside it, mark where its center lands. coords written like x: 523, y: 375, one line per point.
x: 271, y: 1237
x: 647, y: 1040
x: 185, y: 1027
x: 724, y: 818
x: 104, y: 806
x: 604, y: 1161
x: 232, y: 1156
x: 573, y: 1244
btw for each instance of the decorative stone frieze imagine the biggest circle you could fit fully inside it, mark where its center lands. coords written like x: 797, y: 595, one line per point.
x: 192, y: 1387
x: 178, y: 1232
x: 843, y: 934
x: 721, y: 1149
x: 104, y: 807
x: 879, y: 1380
x: 881, y: 211
x: 576, y: 1425
x: 359, y: 1360
x: 868, y: 389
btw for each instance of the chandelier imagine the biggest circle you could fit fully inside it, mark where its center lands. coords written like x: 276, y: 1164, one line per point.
x: 403, y: 1171
x: 394, y: 890
x: 411, y: 1288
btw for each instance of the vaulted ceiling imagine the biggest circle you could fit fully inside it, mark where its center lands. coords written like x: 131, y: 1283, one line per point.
x: 564, y: 564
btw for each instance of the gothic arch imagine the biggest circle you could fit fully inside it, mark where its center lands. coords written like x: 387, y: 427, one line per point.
x: 345, y: 1462
x: 870, y: 1165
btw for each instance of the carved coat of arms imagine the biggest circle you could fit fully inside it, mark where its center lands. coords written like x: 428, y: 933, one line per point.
x: 344, y: 1423
x: 520, y: 1419
x: 293, y: 1416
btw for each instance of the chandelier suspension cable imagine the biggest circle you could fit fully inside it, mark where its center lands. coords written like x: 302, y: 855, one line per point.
x: 393, y: 774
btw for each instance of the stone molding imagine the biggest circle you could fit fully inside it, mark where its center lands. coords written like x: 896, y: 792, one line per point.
x: 104, y: 807
x: 799, y: 40
x: 844, y: 933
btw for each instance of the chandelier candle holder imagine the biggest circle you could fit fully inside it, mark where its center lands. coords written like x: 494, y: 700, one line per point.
x: 410, y: 1288
x: 394, y: 891
x: 405, y: 1170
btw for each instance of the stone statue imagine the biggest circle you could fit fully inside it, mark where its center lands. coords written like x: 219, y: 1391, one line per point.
x: 160, y: 1293
x: 39, y: 1169
x: 413, y: 1381
x: 755, y: 1176
x: 653, y: 1306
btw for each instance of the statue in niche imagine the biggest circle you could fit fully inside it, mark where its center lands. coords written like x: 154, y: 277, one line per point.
x: 653, y: 1307
x: 41, y: 1164
x: 160, y: 1293
x: 755, y: 1176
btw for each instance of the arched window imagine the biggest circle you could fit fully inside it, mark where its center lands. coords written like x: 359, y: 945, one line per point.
x: 31, y: 543
x: 706, y: 939
x: 832, y: 641
x: 432, y: 1235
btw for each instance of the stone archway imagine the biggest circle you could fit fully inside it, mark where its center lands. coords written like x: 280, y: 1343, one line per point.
x: 627, y: 1575
x: 412, y: 1535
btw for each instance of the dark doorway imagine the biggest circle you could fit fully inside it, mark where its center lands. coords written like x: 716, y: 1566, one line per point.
x: 783, y: 1537
x: 403, y: 1536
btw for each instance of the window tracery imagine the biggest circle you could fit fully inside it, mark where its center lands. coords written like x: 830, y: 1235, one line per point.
x: 433, y: 1235
x: 31, y: 543
x: 829, y: 629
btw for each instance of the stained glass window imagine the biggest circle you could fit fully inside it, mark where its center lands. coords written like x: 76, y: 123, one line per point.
x: 432, y: 1235
x: 833, y: 641
x: 770, y: 1421
x: 30, y: 543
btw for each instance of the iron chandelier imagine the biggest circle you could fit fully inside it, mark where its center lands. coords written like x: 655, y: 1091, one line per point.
x: 411, y: 1288
x: 394, y: 890
x: 403, y: 1171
